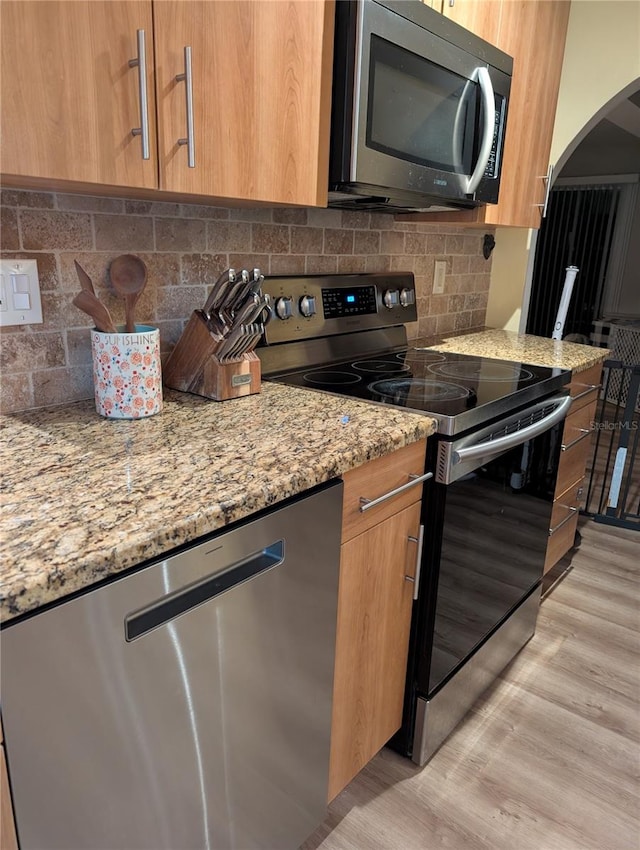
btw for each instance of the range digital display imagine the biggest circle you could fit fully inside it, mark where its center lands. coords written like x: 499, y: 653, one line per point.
x: 358, y: 301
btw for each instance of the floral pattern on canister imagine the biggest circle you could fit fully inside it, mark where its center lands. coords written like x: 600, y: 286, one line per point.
x: 127, y: 373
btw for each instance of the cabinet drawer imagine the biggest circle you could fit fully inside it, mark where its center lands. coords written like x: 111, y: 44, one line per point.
x: 560, y: 542
x: 564, y: 521
x: 377, y: 478
x: 576, y: 441
x: 566, y: 505
x: 584, y: 387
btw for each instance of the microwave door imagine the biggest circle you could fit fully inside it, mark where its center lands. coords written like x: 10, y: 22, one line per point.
x: 460, y: 122
x: 416, y: 109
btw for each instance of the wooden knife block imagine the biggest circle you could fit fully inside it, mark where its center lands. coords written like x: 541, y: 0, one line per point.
x: 192, y: 366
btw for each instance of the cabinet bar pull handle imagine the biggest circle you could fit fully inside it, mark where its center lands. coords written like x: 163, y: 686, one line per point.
x: 367, y: 504
x: 572, y: 511
x: 187, y: 76
x: 547, y: 179
x: 416, y: 579
x: 584, y: 432
x: 590, y: 388
x: 179, y: 602
x: 141, y: 64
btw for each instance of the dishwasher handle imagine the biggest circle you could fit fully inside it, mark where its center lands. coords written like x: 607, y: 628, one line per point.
x: 163, y: 610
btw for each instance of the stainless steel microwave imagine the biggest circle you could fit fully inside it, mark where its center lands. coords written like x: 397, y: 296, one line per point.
x: 419, y: 110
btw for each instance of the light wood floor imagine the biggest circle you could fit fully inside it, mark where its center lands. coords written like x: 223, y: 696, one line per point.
x: 549, y: 758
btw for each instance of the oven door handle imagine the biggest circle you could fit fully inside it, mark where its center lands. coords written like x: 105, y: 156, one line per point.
x: 501, y: 444
x: 489, y: 112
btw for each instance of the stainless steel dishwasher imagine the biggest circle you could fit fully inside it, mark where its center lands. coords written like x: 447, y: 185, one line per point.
x: 186, y: 704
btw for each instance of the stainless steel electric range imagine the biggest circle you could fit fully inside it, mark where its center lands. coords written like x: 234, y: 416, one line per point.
x: 487, y: 509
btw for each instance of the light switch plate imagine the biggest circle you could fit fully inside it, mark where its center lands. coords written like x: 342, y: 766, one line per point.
x: 440, y: 270
x: 20, y: 293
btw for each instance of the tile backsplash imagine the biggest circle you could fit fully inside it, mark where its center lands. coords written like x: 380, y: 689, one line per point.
x: 186, y: 247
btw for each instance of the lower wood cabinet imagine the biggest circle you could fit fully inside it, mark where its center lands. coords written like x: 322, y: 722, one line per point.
x: 377, y: 576
x: 576, y: 447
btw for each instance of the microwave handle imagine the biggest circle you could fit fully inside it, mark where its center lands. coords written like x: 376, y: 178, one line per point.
x: 489, y: 110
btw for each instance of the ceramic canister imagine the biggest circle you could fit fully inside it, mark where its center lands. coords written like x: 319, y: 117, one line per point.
x: 127, y: 373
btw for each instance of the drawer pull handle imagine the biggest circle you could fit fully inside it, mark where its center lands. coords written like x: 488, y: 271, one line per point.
x: 590, y: 389
x: 572, y: 511
x: 367, y: 504
x: 416, y: 581
x: 584, y: 432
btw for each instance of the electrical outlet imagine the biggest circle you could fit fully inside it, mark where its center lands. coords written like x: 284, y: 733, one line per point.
x: 439, y: 273
x: 20, y: 293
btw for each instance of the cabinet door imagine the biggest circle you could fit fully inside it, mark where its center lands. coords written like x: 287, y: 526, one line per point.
x: 261, y: 98
x: 481, y: 17
x: 374, y: 615
x: 534, y: 34
x: 69, y: 97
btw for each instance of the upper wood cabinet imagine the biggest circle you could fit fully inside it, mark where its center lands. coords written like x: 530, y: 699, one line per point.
x: 480, y: 16
x: 534, y: 34
x: 259, y: 96
x: 69, y: 97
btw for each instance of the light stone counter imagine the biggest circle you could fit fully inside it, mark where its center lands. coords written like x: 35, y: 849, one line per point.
x: 84, y: 498
x: 524, y: 348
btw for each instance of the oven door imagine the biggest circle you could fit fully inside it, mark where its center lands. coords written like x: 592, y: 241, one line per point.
x: 491, y: 527
x: 427, y: 117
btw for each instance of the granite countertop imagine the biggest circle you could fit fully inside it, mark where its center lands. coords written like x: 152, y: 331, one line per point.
x: 84, y: 497
x: 525, y: 348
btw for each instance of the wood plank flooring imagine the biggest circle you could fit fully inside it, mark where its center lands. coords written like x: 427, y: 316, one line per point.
x: 549, y: 758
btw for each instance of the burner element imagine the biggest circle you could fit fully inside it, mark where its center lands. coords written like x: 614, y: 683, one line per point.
x: 420, y: 355
x: 418, y: 390
x: 380, y: 366
x: 482, y: 370
x: 326, y: 378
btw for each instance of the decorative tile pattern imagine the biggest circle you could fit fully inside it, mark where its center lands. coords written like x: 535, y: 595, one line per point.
x: 186, y: 246
x: 84, y: 498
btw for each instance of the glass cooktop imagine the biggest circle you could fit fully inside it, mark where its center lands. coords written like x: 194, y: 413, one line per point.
x: 459, y: 390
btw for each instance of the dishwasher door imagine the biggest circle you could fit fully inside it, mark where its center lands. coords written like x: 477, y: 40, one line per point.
x: 185, y: 705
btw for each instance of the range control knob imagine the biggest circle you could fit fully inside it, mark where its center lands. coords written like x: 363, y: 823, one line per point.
x: 284, y: 307
x: 308, y: 305
x: 391, y: 298
x: 407, y: 297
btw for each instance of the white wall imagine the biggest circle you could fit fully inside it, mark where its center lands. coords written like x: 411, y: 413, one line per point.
x: 508, y: 264
x: 601, y: 63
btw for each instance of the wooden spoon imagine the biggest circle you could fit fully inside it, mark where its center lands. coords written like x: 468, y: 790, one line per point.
x: 128, y: 275
x: 83, y: 277
x: 92, y: 306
